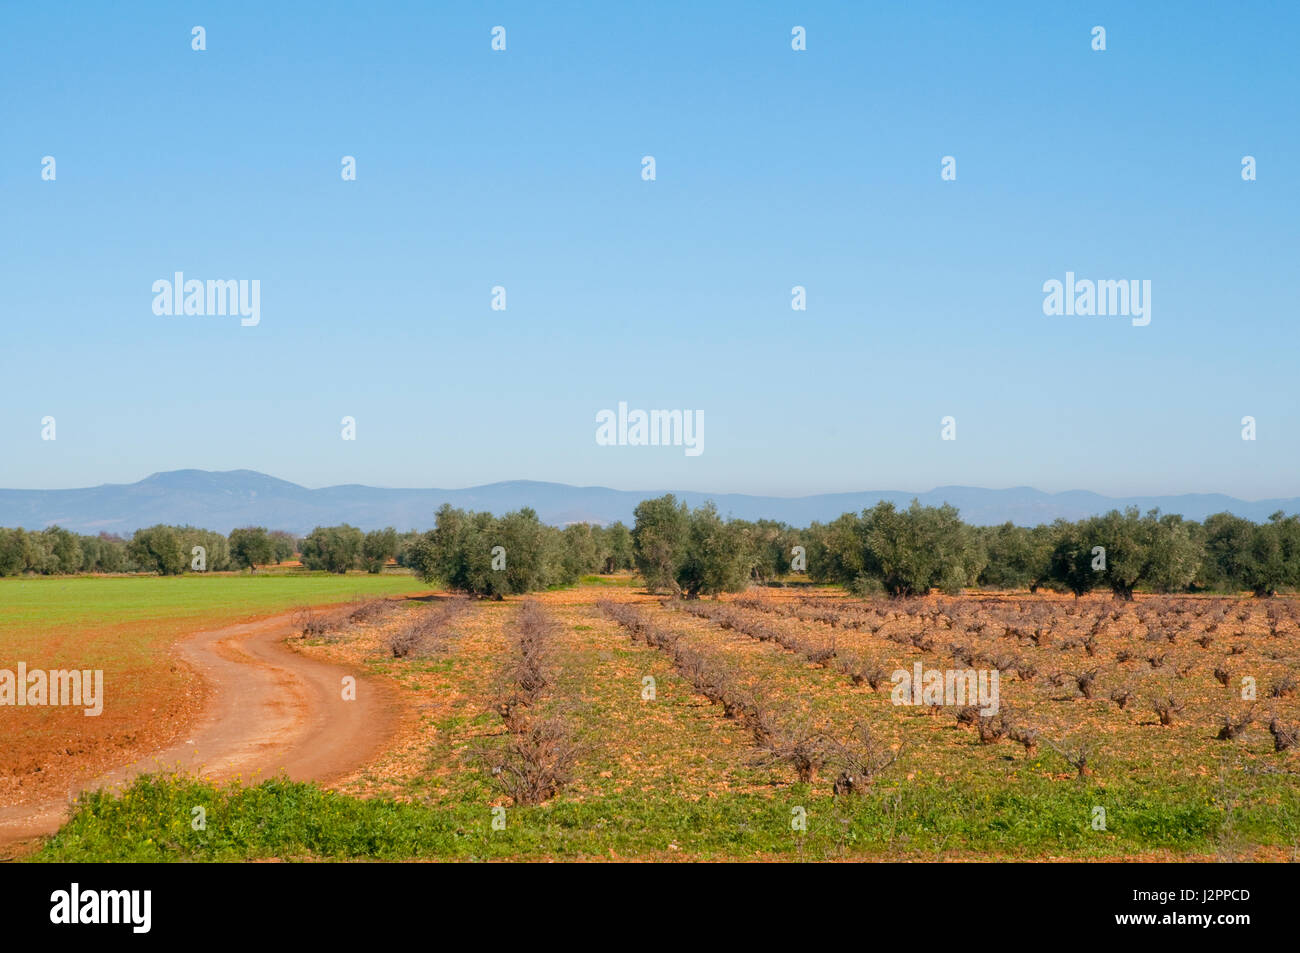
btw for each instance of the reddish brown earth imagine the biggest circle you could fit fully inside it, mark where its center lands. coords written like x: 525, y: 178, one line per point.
x: 269, y: 710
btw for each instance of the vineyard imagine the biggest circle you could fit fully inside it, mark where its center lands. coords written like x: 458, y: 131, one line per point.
x: 604, y: 721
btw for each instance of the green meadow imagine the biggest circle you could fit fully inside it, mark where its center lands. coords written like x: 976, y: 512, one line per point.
x: 103, y: 621
x: 152, y: 821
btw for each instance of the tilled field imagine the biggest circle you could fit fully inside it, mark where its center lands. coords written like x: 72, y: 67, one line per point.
x: 1119, y: 728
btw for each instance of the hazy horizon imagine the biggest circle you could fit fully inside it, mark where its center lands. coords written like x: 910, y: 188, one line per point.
x: 644, y: 489
x: 223, y: 500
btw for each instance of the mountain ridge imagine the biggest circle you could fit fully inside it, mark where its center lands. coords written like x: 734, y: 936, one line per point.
x: 224, y: 499
x: 220, y: 500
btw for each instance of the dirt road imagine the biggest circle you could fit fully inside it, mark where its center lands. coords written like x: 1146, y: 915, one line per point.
x: 270, y: 710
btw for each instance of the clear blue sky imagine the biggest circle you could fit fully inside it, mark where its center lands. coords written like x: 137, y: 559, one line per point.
x: 775, y: 168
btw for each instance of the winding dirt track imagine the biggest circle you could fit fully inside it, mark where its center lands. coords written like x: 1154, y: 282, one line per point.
x: 270, y: 710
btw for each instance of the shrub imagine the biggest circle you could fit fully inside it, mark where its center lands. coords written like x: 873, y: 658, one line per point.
x: 859, y: 761
x: 1234, y: 727
x: 1078, y: 753
x: 427, y: 630
x: 1166, y: 707
x: 1285, y: 737
x: 799, y: 745
x: 536, y: 763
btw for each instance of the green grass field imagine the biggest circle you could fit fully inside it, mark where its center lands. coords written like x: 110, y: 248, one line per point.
x: 127, y: 623
x: 126, y: 627
x: 32, y: 605
x: 1035, y: 820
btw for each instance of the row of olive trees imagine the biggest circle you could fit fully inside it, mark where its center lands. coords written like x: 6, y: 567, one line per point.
x: 691, y: 552
x: 905, y: 552
x: 696, y: 552
x: 576, y: 550
x: 1164, y: 553
x: 496, y: 556
x: 909, y: 551
x: 884, y: 549
x: 169, y: 550
x: 340, y: 548
x: 172, y: 550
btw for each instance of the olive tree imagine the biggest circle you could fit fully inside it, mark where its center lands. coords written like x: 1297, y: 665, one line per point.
x: 251, y: 545
x: 332, y: 548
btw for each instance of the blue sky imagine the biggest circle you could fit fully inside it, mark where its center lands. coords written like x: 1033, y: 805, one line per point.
x: 775, y: 168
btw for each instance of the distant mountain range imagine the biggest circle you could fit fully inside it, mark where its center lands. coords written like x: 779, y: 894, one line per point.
x: 223, y: 500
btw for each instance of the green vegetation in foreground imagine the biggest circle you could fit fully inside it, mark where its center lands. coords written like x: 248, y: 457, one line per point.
x: 151, y: 821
